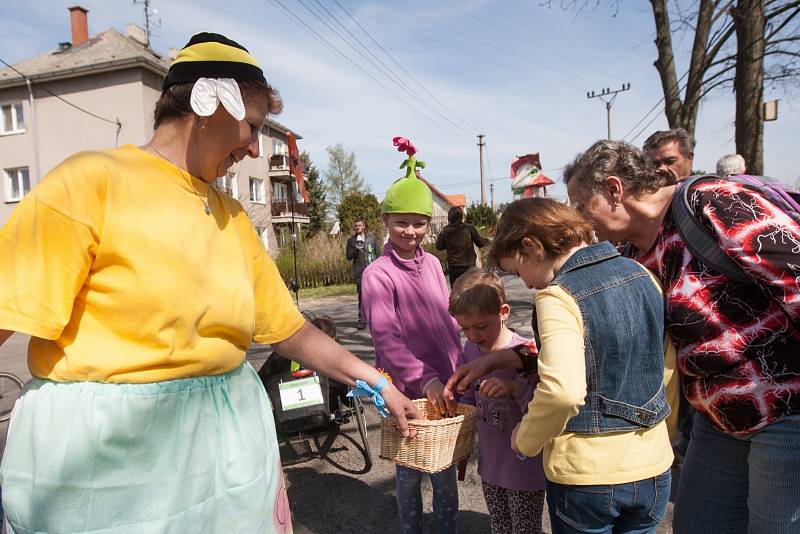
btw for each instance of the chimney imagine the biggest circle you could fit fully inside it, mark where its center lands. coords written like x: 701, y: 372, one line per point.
x: 79, y: 21
x: 137, y: 33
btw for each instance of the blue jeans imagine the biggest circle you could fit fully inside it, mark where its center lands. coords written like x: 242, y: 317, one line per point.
x: 635, y: 507
x: 731, y: 484
x: 409, y: 500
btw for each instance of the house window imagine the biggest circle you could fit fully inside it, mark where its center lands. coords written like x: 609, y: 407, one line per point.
x: 257, y: 190
x: 12, y: 120
x: 18, y: 183
x: 279, y: 191
x: 260, y: 145
x: 279, y: 147
x: 228, y: 184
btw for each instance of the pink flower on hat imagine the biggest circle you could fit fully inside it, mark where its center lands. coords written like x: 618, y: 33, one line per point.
x: 404, y: 145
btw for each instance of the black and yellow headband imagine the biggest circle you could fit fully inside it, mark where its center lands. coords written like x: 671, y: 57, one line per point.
x: 211, y: 55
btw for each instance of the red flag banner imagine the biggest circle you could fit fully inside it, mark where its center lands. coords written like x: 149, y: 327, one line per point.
x: 296, y: 166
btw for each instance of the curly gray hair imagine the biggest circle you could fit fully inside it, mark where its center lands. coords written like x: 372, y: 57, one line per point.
x: 614, y: 158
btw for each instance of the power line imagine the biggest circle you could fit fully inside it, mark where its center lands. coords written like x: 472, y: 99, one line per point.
x: 521, y: 37
x: 567, y: 77
x: 401, y: 67
x: 116, y: 122
x: 380, y: 66
x: 355, y: 65
x: 644, y: 117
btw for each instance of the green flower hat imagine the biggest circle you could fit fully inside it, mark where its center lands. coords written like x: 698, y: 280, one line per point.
x: 409, y: 194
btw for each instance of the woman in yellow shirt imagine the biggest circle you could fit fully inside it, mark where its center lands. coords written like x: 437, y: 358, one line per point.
x: 141, y: 287
x: 599, y: 412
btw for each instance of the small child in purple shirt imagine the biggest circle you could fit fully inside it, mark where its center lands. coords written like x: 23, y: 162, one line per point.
x: 513, y: 485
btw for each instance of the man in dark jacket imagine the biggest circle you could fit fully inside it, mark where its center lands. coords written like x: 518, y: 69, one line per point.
x: 362, y: 249
x: 458, y: 239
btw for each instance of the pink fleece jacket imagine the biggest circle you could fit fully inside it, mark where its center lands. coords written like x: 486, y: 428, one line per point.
x: 405, y: 304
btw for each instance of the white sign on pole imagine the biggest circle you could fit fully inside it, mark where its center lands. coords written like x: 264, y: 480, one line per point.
x: 771, y: 110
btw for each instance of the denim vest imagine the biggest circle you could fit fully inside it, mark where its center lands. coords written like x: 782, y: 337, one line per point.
x: 623, y: 323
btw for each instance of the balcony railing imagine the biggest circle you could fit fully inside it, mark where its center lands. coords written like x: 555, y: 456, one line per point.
x: 279, y: 162
x: 284, y: 207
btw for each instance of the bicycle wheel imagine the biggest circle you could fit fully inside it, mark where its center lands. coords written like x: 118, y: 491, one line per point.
x: 339, y: 445
x: 10, y: 388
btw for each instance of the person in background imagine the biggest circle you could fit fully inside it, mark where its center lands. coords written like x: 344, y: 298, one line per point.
x: 362, y: 249
x: 459, y: 239
x: 141, y: 287
x: 731, y: 165
x: 513, y: 486
x: 416, y: 340
x: 672, y: 152
x: 737, y: 341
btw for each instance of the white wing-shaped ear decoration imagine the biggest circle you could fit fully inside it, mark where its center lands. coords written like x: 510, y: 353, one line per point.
x: 207, y: 93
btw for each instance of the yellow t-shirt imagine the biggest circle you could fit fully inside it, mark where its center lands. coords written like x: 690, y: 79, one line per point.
x: 586, y: 459
x: 115, y: 269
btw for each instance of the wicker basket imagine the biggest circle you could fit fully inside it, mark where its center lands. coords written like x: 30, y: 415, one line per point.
x: 440, y: 441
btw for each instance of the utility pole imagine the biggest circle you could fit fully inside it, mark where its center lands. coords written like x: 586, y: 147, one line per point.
x: 481, y: 144
x: 491, y: 195
x: 604, y: 93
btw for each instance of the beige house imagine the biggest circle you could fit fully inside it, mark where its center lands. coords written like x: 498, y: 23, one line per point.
x: 441, y: 206
x: 283, y: 185
x: 115, y: 79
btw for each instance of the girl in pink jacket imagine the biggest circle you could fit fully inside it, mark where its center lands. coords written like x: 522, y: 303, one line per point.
x: 405, y: 299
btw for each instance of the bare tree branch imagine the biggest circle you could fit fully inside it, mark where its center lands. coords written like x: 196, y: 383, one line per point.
x: 783, y: 24
x: 665, y: 63
x: 710, y: 87
x: 777, y: 11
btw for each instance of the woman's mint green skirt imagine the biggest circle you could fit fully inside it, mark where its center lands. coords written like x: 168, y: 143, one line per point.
x: 187, y: 455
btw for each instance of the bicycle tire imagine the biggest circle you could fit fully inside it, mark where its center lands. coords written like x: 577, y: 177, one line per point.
x: 10, y: 388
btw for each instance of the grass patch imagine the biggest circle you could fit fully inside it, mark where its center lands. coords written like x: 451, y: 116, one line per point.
x: 327, y: 291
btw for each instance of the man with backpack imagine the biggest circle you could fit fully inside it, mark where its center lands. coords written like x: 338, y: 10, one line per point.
x: 733, y: 310
x: 362, y: 249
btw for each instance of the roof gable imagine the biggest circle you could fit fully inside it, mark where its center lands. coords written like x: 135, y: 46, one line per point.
x: 105, y: 51
x: 447, y: 198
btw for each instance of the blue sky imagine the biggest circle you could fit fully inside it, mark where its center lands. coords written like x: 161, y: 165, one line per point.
x: 513, y: 70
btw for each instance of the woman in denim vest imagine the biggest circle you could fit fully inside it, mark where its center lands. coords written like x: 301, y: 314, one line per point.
x: 737, y: 340
x: 599, y: 411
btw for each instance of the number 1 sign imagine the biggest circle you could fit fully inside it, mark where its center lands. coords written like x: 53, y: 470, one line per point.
x: 300, y: 393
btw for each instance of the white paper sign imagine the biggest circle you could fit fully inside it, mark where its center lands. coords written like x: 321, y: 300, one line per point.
x: 300, y: 393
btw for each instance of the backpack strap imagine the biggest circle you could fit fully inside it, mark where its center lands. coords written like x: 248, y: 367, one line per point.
x: 698, y: 239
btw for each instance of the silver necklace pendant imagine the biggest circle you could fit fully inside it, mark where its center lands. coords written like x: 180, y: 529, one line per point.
x: 188, y: 180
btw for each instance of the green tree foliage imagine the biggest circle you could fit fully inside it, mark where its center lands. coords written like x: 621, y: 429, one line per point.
x: 481, y: 216
x: 357, y: 206
x: 341, y: 176
x: 317, y: 205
